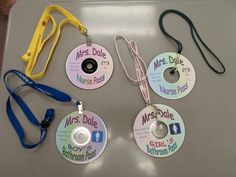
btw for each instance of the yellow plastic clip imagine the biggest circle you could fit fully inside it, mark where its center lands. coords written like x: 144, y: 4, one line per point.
x: 37, y: 42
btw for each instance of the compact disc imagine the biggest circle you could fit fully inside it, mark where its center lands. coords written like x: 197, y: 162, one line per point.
x: 89, y: 67
x: 171, y: 75
x: 81, y: 138
x: 159, y: 138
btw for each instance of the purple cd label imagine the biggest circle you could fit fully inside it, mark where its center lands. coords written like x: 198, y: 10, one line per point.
x: 90, y: 51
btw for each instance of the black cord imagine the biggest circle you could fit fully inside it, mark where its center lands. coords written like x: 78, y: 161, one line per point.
x: 193, y: 30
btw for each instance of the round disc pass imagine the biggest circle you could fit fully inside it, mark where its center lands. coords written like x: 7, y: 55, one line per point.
x: 159, y: 138
x: 81, y: 138
x: 89, y: 67
x: 170, y: 76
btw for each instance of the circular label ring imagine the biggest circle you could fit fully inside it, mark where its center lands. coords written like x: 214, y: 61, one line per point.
x: 185, y: 70
x: 81, y: 138
x: 89, y: 67
x: 152, y: 143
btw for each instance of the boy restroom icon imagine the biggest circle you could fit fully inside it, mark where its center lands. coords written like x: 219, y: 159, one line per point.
x: 97, y: 136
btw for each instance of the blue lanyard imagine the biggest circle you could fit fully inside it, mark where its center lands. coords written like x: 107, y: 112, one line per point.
x: 49, y: 115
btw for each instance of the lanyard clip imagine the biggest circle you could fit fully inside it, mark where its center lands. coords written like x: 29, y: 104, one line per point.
x: 155, y: 111
x: 88, y: 38
x: 79, y: 104
x: 37, y: 43
x: 80, y: 107
x: 49, y: 115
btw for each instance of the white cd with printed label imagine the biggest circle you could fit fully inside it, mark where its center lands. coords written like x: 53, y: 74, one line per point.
x: 89, y: 67
x: 160, y: 138
x: 171, y: 75
x: 81, y: 138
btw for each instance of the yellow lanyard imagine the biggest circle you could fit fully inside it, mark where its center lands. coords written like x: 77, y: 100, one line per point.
x: 37, y: 42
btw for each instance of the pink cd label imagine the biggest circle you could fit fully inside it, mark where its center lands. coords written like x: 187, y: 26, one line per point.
x: 89, y: 67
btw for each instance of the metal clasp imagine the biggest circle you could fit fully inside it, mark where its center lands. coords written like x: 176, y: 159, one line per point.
x: 88, y: 38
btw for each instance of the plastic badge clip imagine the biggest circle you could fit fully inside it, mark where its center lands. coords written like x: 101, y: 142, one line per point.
x: 79, y: 104
x: 37, y: 42
x: 80, y: 107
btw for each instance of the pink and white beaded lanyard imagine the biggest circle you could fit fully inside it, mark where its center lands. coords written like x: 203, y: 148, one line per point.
x: 158, y: 129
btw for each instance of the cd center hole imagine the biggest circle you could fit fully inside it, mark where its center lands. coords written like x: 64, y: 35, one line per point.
x: 171, y: 75
x: 89, y: 65
x: 81, y: 136
x: 159, y: 130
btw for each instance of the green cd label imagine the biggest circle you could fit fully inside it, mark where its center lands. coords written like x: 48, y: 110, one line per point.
x: 81, y: 138
x: 181, y: 66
